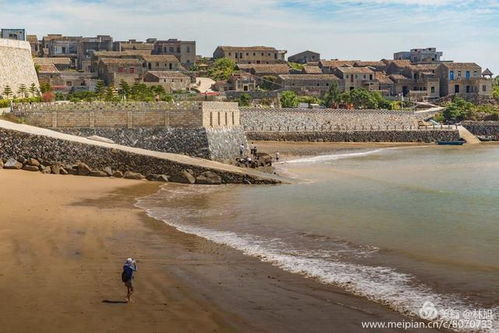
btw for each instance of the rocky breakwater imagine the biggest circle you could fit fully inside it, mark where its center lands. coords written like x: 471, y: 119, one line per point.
x: 41, y: 150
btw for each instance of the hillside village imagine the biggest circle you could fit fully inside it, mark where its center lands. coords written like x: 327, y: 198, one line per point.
x: 79, y: 66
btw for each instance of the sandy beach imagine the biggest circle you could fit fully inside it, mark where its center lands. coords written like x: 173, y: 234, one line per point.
x: 63, y: 243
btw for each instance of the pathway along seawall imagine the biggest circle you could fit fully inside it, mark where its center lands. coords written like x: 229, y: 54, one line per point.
x: 359, y: 136
x: 22, y: 142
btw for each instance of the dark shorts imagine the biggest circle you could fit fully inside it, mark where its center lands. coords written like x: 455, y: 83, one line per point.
x: 128, y: 283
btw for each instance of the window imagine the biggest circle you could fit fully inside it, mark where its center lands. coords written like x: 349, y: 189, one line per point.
x: 121, y: 69
x: 456, y: 89
x: 365, y: 77
x: 230, y: 54
x: 432, y: 90
x: 451, y: 75
x: 69, y: 83
x: 171, y: 66
x: 132, y: 70
x: 157, y: 64
x: 458, y: 73
x: 165, y: 49
x: 468, y: 75
x: 247, y: 54
x: 484, y: 88
x: 188, y: 49
x: 468, y: 89
x: 370, y: 77
x: 172, y: 49
x: 254, y: 54
x: 178, y: 49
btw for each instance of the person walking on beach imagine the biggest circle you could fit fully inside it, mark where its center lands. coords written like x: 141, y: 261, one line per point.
x: 241, y: 150
x: 127, y: 276
x: 277, y: 156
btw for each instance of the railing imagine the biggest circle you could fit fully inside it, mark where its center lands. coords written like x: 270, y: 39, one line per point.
x: 343, y: 128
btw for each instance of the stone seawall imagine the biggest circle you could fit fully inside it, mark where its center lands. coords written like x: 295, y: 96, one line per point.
x: 216, y: 144
x: 489, y: 129
x: 22, y: 142
x: 358, y: 136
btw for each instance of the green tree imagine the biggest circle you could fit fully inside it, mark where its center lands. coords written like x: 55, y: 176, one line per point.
x: 458, y: 109
x: 33, y: 90
x: 289, y: 99
x: 124, y: 88
x: 22, y: 91
x: 45, y: 87
x: 363, y: 99
x: 109, y: 95
x: 332, y: 97
x: 222, y: 69
x: 244, y: 100
x: 495, y: 88
x: 7, y: 91
x: 100, y: 88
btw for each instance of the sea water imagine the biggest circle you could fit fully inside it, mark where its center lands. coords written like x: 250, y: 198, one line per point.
x: 398, y: 226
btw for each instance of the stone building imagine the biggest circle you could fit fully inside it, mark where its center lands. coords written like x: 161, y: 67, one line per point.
x: 185, y: 51
x: 57, y: 45
x: 356, y: 77
x: 171, y: 81
x: 96, y: 56
x: 427, y: 55
x: 36, y: 46
x: 113, y: 70
x: 263, y: 70
x: 237, y: 82
x: 133, y: 44
x: 61, y: 63
x: 305, y: 57
x: 314, y: 84
x: 16, y: 34
x: 17, y: 69
x: 328, y: 66
x: 165, y: 62
x: 377, y: 66
x: 311, y: 69
x: 87, y: 45
x: 463, y: 79
x: 250, y: 54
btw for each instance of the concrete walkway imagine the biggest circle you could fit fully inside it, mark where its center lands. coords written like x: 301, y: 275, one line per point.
x: 176, y: 158
x: 468, y: 136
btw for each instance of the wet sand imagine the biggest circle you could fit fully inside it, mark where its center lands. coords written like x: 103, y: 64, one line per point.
x: 63, y: 240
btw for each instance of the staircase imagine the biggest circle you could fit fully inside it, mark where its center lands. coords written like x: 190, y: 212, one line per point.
x: 468, y: 136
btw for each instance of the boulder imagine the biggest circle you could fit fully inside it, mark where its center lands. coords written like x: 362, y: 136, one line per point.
x: 71, y: 169
x: 56, y: 169
x: 133, y: 175
x: 209, y: 177
x: 31, y: 168
x: 183, y: 177
x: 98, y: 173
x: 108, y: 171
x: 118, y: 174
x: 46, y: 170
x: 33, y: 162
x: 12, y: 164
x: 1, y: 164
x: 157, y: 178
x: 83, y: 169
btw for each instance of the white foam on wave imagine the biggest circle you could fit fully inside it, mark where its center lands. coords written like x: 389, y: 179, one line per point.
x: 384, y: 285
x: 333, y: 157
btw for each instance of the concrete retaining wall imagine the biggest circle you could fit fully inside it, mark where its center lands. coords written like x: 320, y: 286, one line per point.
x: 483, y: 128
x: 213, y: 143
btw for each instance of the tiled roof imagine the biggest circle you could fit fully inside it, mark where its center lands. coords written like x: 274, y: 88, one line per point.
x: 124, y: 61
x: 48, y: 68
x: 424, y: 67
x: 266, y: 69
x: 320, y: 77
x: 307, y: 69
x: 460, y: 65
x: 121, y: 54
x: 168, y: 75
x: 160, y: 58
x: 337, y: 63
x: 399, y: 63
x: 355, y: 70
x: 247, y: 48
x: 396, y: 77
x: 382, y: 78
x: 53, y: 60
x: 487, y: 72
x: 369, y: 63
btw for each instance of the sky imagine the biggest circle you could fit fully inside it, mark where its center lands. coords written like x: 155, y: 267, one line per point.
x: 465, y: 30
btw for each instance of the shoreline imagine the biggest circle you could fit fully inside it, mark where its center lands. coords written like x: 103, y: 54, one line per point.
x: 66, y: 250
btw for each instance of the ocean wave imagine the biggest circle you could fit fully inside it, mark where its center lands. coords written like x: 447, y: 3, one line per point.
x: 384, y: 285
x: 333, y: 157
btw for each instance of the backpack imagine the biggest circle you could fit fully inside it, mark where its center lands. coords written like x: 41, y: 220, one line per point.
x: 126, y: 275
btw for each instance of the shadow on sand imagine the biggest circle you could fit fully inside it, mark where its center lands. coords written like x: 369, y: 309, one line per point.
x: 108, y: 301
